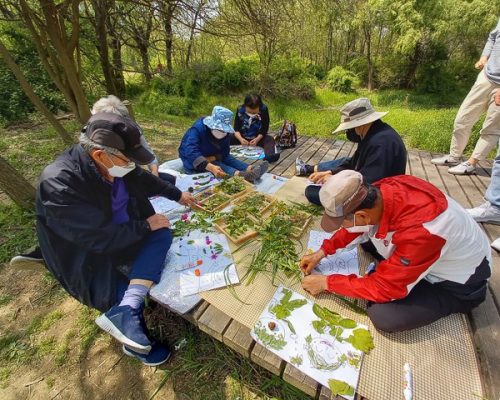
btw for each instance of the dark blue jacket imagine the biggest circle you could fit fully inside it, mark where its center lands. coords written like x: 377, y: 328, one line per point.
x: 250, y: 128
x: 380, y: 154
x: 198, y: 143
x: 80, y: 244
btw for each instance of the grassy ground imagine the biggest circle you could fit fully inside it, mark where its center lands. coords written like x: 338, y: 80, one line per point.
x: 49, y: 344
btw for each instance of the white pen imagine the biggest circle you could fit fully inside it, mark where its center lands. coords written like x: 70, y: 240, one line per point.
x: 408, y: 376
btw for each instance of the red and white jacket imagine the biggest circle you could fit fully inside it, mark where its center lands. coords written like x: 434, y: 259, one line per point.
x: 423, y: 234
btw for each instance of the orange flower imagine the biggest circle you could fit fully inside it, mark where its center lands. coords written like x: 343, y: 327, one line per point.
x: 197, y: 272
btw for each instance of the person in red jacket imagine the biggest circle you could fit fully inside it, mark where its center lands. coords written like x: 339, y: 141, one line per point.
x: 435, y: 258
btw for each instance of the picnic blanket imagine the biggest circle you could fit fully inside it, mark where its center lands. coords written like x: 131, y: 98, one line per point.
x: 442, y: 354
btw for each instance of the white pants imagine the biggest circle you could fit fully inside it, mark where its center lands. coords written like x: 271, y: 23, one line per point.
x: 479, y: 100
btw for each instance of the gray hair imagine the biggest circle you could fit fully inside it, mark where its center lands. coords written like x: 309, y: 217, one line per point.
x: 89, y: 145
x: 110, y: 104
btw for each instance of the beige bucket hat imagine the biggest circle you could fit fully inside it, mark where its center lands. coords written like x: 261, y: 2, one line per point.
x: 356, y: 113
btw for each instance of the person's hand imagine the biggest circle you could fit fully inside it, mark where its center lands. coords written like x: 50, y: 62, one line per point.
x: 211, y: 159
x: 241, y: 139
x: 187, y: 199
x: 158, y: 221
x: 315, y: 284
x: 320, y: 177
x: 481, y: 63
x: 255, y: 140
x: 497, y: 97
x: 154, y: 169
x: 216, y: 170
x: 309, y: 261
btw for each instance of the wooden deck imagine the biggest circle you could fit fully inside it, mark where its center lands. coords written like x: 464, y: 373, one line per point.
x: 484, y: 320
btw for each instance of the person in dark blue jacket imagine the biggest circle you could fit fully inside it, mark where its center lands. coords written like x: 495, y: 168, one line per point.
x: 251, y: 126
x: 381, y: 152
x: 205, y: 147
x: 98, y: 232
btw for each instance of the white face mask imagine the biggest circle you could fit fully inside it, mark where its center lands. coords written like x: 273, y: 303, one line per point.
x: 219, y: 134
x: 117, y: 171
x: 359, y: 228
x: 252, y: 115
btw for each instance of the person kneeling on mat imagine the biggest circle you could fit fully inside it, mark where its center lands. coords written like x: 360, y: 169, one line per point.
x: 98, y: 232
x: 435, y: 260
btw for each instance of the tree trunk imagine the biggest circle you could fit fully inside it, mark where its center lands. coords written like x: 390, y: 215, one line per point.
x: 167, y: 9
x: 15, y: 186
x: 191, y: 34
x: 368, y: 43
x: 143, y: 50
x: 116, y: 51
x: 101, y: 9
x: 28, y: 91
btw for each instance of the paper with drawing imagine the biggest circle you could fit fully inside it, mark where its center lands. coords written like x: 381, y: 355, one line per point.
x: 204, y: 261
x: 320, y: 343
x: 344, y: 262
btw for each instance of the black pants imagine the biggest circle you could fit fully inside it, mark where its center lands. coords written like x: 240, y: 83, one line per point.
x: 312, y: 194
x: 267, y: 143
x: 429, y: 302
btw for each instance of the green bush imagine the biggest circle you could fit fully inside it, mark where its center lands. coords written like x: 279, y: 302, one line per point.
x: 14, y: 105
x: 158, y: 102
x: 341, y: 79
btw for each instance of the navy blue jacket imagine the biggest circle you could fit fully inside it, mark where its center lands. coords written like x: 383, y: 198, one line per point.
x: 199, y: 143
x: 380, y: 154
x: 250, y: 128
x: 80, y: 244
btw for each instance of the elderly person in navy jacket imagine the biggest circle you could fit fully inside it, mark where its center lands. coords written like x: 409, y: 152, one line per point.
x: 381, y: 152
x: 98, y: 232
x: 205, y: 147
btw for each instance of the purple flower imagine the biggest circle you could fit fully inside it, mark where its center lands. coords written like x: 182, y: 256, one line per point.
x: 184, y: 217
x: 214, y: 256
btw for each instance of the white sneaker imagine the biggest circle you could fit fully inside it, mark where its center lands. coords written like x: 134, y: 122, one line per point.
x: 462, y: 169
x: 446, y: 160
x: 496, y: 244
x: 486, y: 212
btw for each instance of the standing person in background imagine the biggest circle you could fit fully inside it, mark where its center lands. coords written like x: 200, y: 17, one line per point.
x: 251, y: 125
x: 489, y: 211
x: 479, y: 100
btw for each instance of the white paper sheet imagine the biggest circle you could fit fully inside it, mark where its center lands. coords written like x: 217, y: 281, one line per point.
x: 197, y: 181
x: 322, y: 351
x: 344, y: 262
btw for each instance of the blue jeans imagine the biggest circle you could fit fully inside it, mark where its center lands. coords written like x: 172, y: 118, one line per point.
x: 329, y: 165
x: 230, y: 165
x: 149, y: 261
x: 493, y: 191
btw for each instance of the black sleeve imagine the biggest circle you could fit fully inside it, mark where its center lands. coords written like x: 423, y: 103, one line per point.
x: 154, y: 186
x: 264, y: 117
x: 237, y: 121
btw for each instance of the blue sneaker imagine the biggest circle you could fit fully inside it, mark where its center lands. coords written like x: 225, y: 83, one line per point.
x: 158, y: 355
x: 124, y: 323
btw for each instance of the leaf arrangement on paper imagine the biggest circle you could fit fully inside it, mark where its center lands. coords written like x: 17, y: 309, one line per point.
x: 192, y: 221
x: 328, y: 347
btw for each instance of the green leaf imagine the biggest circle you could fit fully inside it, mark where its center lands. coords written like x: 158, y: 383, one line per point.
x: 361, y: 339
x: 308, y: 339
x: 340, y: 387
x: 319, y: 326
x: 347, y: 323
x: 290, y: 326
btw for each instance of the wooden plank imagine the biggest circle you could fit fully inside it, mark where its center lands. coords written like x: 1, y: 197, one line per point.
x: 486, y: 327
x: 214, y: 322
x: 416, y: 165
x: 268, y: 360
x: 326, y: 394
x: 290, y: 171
x: 237, y: 337
x: 322, y: 152
x: 196, y: 312
x: 333, y: 151
x: 300, y: 380
x: 290, y: 159
x: 287, y: 153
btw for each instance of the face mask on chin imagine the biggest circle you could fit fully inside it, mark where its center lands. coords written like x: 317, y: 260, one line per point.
x: 117, y: 171
x: 252, y: 115
x: 359, y: 228
x: 218, y: 134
